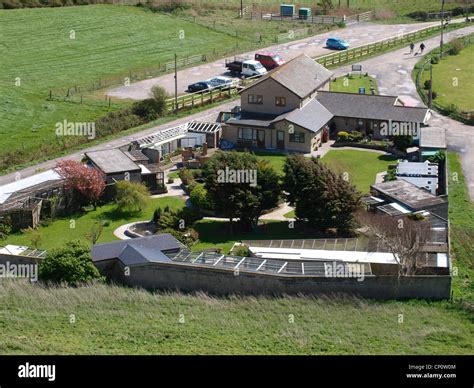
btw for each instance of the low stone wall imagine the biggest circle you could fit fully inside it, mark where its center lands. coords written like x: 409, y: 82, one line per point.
x: 186, y: 278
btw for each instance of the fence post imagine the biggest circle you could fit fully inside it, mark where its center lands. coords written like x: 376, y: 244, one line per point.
x: 50, y: 94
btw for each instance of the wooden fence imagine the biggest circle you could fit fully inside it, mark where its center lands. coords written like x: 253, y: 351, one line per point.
x: 313, y: 19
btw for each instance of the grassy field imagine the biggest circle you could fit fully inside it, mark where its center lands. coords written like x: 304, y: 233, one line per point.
x: 114, y: 320
x: 361, y: 166
x: 461, y: 215
x: 109, y: 41
x: 353, y: 83
x: 453, y: 79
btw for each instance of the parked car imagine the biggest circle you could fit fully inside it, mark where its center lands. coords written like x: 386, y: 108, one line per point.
x: 337, y: 44
x: 220, y: 82
x: 201, y: 86
x: 269, y: 60
x: 245, y: 67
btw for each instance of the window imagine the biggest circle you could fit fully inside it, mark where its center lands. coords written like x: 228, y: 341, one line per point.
x: 247, y: 134
x: 255, y: 99
x: 280, y: 101
x: 297, y: 137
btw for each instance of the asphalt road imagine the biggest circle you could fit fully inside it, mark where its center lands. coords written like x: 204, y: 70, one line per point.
x: 356, y: 34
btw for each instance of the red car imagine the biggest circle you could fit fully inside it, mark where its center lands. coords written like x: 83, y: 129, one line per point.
x: 269, y: 60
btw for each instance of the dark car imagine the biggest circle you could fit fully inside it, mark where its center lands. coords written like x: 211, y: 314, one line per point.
x: 199, y: 87
x: 337, y: 44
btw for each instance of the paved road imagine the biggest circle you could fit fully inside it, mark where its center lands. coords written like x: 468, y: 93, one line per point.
x: 356, y: 34
x: 393, y: 74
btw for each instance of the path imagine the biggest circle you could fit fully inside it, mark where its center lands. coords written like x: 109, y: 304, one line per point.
x: 356, y: 34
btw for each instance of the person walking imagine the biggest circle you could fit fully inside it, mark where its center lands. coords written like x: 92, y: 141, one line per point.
x: 412, y: 47
x: 422, y: 47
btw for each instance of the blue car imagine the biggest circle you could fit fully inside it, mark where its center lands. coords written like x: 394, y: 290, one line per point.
x: 337, y: 44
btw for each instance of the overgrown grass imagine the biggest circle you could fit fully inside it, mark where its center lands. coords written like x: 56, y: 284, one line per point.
x: 115, y: 320
x: 461, y: 216
x: 361, y: 167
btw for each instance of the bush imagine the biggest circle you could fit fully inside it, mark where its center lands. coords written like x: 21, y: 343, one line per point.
x: 71, y: 263
x: 131, y: 196
x: 427, y: 84
x: 434, y: 60
x: 189, y: 215
x: 199, y: 197
x: 355, y: 136
x: 5, y: 230
x: 188, y: 237
x: 342, y: 136
x: 418, y: 15
x: 186, y: 176
x: 114, y: 122
x: 456, y: 46
x: 147, y: 109
x: 434, y: 95
x: 241, y: 250
x: 12, y: 4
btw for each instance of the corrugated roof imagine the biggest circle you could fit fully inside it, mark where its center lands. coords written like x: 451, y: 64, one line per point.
x: 302, y: 75
x: 366, y: 106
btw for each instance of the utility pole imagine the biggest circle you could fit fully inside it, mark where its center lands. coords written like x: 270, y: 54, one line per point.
x: 442, y: 30
x: 175, y: 83
x: 430, y: 97
x: 241, y: 8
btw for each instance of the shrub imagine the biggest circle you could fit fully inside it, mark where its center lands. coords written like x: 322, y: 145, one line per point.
x: 71, y: 263
x: 5, y: 230
x: 355, y: 136
x: 434, y: 60
x: 341, y: 24
x: 456, y: 46
x: 418, y: 15
x: 189, y: 215
x: 241, y: 250
x: 434, y: 95
x: 12, y: 4
x: 187, y: 237
x: 427, y: 84
x: 199, y: 197
x: 342, y: 136
x: 114, y: 122
x: 186, y: 176
x: 131, y: 196
x: 147, y: 109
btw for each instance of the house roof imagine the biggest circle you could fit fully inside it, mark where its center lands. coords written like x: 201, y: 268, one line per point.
x: 135, y: 255
x: 302, y: 75
x: 373, y: 107
x: 433, y: 137
x: 112, y: 161
x: 408, y: 194
x: 150, y: 248
x: 313, y: 116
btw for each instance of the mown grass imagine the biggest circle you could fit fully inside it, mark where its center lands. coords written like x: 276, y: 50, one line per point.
x: 361, y: 167
x: 353, y: 83
x: 78, y: 226
x: 37, y: 51
x: 453, y: 79
x: 115, y: 320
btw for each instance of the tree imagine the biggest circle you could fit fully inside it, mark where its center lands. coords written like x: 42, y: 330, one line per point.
x: 131, y: 196
x: 71, y: 263
x: 402, y: 142
x: 241, y: 186
x: 403, y: 237
x: 321, y: 197
x: 34, y: 236
x: 200, y: 198
x: 95, y: 232
x: 151, y: 108
x: 326, y: 6
x: 89, y: 183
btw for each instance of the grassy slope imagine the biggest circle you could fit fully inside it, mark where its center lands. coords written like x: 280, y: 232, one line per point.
x: 113, y: 320
x: 461, y: 216
x: 362, y: 166
x: 454, y: 66
x: 110, y: 40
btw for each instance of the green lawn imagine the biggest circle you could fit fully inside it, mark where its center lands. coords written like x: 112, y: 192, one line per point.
x: 361, y: 167
x: 453, y: 78
x: 60, y: 231
x: 352, y: 84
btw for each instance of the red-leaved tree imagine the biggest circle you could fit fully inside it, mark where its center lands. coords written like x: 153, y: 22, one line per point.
x: 89, y: 182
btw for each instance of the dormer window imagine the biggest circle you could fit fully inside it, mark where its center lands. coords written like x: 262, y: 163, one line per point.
x: 280, y: 101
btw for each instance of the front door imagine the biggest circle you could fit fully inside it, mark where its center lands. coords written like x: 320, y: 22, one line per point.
x: 261, y: 138
x: 281, y: 140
